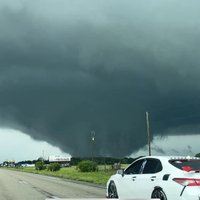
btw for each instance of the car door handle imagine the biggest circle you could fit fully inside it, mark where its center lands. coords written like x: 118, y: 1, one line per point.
x: 133, y: 178
x: 153, y: 178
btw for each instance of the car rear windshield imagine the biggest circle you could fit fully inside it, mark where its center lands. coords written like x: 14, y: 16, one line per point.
x: 186, y: 165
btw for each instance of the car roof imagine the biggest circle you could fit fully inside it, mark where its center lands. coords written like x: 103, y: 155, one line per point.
x: 167, y: 158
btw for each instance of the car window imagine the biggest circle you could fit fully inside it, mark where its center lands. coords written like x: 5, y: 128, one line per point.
x: 136, y: 167
x: 152, y: 166
x: 186, y: 165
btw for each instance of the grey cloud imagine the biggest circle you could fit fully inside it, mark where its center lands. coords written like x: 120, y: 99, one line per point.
x: 69, y: 67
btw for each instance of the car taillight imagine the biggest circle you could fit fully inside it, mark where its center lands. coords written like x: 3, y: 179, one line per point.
x: 187, y: 181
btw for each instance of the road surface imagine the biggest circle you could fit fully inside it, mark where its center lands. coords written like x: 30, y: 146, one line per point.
x: 15, y: 185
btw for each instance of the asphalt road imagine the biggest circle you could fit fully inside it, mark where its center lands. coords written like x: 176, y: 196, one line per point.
x: 16, y: 185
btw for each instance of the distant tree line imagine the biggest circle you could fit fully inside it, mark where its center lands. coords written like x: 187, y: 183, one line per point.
x: 77, y: 160
x: 102, y: 160
x: 30, y: 162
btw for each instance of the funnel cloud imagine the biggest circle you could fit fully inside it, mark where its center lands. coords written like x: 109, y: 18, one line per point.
x: 69, y: 68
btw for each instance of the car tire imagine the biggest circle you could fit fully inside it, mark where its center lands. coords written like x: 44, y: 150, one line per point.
x: 112, y: 191
x: 158, y: 194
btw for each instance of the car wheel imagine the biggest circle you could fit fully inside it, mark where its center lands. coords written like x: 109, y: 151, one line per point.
x: 112, y: 191
x: 158, y: 194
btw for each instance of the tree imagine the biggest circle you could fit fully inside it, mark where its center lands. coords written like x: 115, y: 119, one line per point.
x: 87, y: 166
x: 54, y: 167
x: 197, y: 155
x: 39, y: 165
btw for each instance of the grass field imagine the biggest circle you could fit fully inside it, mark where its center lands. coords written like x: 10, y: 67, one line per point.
x: 72, y: 173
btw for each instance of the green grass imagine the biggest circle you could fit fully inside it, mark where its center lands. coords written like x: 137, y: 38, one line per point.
x: 72, y: 173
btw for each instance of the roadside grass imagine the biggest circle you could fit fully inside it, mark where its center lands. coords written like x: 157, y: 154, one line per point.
x: 100, y: 177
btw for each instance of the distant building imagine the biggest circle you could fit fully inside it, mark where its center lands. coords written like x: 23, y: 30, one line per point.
x: 10, y: 163
x: 63, y: 160
x: 28, y: 165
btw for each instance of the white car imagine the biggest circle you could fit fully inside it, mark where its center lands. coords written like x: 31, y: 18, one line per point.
x: 157, y: 177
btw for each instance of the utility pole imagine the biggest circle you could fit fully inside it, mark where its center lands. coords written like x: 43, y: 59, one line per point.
x: 148, y: 133
x: 43, y: 154
x: 93, y: 143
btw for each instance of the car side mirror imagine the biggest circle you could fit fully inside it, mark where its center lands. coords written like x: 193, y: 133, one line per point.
x: 121, y: 172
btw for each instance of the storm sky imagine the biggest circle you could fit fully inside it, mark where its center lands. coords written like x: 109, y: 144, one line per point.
x: 71, y: 67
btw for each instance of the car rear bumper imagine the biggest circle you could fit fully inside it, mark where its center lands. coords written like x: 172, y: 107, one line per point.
x: 191, y: 193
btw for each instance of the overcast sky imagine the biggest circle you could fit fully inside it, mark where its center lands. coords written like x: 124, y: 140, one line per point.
x: 18, y: 146
x: 70, y: 67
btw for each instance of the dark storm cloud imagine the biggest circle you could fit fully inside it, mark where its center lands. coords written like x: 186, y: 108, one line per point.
x: 70, y: 67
